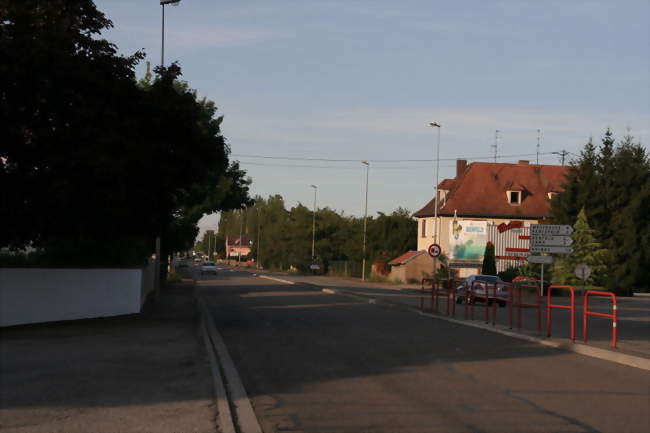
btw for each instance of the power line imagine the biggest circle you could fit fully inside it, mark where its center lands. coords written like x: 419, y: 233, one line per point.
x: 295, y: 158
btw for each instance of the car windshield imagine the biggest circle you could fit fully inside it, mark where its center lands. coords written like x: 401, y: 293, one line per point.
x: 487, y: 278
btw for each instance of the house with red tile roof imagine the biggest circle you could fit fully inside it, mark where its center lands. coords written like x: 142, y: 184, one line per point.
x: 412, y: 265
x: 488, y: 202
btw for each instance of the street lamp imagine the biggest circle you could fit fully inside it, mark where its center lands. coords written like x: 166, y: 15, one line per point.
x: 313, y: 226
x: 365, y: 218
x: 241, y: 228
x: 162, y: 46
x: 435, y: 208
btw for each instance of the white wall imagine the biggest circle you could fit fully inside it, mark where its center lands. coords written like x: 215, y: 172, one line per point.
x: 45, y: 295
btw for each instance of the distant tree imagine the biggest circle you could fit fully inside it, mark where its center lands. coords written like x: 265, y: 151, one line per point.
x: 489, y: 260
x: 587, y: 250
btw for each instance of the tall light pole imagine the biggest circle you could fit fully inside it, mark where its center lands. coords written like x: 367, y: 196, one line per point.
x: 365, y: 224
x: 313, y: 226
x: 162, y: 45
x: 435, y: 208
x: 241, y: 228
x: 259, y: 229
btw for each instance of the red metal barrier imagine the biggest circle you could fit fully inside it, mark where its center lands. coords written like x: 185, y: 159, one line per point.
x: 571, y: 307
x: 586, y: 313
x: 424, y: 280
x: 538, y: 305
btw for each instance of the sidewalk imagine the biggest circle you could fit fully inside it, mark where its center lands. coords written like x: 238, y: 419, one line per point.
x: 136, y: 373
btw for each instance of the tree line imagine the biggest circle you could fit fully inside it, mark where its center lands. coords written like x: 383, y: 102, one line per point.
x: 94, y: 165
x: 285, y: 235
x: 606, y: 198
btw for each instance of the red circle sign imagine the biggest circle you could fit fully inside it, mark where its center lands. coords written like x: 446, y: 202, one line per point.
x: 434, y: 250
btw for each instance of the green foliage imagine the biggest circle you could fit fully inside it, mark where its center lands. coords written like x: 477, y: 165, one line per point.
x: 587, y: 250
x: 93, y: 165
x: 611, y: 184
x: 285, y: 234
x: 508, y: 274
x: 489, y: 260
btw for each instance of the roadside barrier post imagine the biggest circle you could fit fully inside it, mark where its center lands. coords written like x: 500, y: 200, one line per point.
x: 571, y: 307
x: 586, y: 313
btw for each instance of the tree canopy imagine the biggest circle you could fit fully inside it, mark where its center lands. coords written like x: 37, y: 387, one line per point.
x: 285, y: 235
x: 94, y: 166
x: 612, y: 184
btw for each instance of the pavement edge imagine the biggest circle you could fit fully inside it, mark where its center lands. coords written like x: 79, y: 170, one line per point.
x: 229, y: 390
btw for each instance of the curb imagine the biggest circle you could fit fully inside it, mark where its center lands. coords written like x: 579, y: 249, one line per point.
x: 232, y: 395
x: 580, y: 348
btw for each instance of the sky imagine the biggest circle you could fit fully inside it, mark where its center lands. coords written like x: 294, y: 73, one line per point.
x: 340, y: 81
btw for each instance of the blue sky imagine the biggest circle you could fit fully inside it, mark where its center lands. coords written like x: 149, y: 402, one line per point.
x: 360, y: 80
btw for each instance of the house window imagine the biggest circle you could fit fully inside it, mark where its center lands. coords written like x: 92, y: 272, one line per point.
x: 514, y: 197
x: 424, y: 228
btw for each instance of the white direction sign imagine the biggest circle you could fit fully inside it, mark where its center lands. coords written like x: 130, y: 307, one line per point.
x: 550, y: 229
x: 544, y: 260
x: 550, y: 249
x: 548, y: 240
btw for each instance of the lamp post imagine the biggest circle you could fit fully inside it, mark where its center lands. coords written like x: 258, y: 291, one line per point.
x: 435, y: 208
x: 259, y: 228
x: 313, y: 226
x: 365, y: 218
x: 241, y: 228
x: 436, y: 202
x: 162, y: 45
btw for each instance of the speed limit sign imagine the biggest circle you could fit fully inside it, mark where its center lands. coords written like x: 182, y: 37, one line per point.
x: 434, y: 250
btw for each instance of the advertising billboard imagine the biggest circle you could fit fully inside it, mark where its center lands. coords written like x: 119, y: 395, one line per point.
x: 467, y: 240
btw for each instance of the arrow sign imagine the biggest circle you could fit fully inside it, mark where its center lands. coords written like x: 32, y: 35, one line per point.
x: 550, y: 229
x: 546, y: 260
x: 546, y: 240
x: 551, y: 249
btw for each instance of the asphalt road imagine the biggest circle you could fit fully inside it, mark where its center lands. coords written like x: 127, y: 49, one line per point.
x: 315, y: 362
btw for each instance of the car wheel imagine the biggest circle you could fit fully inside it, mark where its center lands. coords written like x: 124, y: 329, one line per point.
x: 502, y: 303
x: 459, y: 300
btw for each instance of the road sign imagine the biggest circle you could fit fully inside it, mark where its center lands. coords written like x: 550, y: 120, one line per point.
x: 547, y: 240
x: 583, y: 271
x: 434, y: 250
x: 550, y: 229
x: 550, y: 249
x: 544, y: 260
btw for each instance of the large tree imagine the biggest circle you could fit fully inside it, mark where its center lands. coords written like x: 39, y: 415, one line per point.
x: 611, y: 183
x: 94, y: 167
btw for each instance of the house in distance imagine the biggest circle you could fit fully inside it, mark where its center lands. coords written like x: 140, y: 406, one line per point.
x: 489, y: 202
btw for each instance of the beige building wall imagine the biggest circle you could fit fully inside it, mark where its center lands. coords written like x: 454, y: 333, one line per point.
x: 444, y: 235
x: 418, y: 268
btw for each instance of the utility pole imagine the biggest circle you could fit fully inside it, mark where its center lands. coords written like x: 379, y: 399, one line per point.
x: 365, y: 224
x: 538, y: 138
x: 496, y: 144
x: 259, y: 228
x: 437, y: 200
x: 562, y: 154
x: 313, y: 226
x: 241, y: 228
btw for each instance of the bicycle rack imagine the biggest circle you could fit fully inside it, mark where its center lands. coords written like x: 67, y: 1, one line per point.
x: 586, y: 313
x: 571, y: 307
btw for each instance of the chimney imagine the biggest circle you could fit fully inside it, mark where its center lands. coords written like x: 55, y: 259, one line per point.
x: 523, y: 162
x: 461, y: 166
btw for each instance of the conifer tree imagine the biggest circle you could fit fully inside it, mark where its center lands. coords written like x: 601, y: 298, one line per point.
x: 489, y: 260
x: 586, y: 249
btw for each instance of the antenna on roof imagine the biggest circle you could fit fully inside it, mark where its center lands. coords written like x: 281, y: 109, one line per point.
x: 538, y: 137
x: 496, y: 144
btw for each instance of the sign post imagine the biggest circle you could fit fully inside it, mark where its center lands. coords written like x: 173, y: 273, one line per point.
x: 549, y: 238
x: 434, y: 251
x: 583, y: 272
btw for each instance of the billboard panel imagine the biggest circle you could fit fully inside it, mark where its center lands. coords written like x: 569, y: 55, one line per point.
x: 467, y: 239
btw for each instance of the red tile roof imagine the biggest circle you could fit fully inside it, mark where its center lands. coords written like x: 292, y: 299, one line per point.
x: 233, y: 240
x: 406, y: 257
x: 480, y: 191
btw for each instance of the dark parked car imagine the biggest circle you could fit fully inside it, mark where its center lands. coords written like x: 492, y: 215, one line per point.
x: 478, y: 292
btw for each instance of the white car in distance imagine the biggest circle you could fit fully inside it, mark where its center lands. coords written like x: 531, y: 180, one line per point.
x: 208, y: 268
